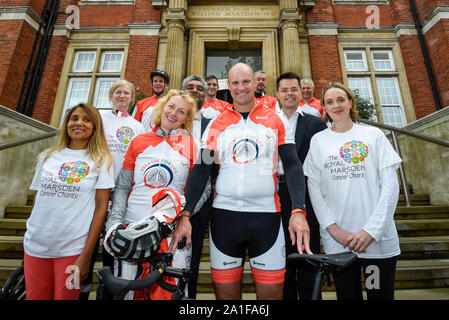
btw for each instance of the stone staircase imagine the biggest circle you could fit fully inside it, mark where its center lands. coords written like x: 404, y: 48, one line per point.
x: 423, y: 263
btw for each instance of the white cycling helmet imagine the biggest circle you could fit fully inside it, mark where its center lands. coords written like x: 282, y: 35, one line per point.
x: 137, y: 241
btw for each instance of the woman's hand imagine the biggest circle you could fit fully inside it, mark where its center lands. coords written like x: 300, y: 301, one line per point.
x: 360, y: 241
x: 183, y: 229
x: 341, y: 236
x: 83, y: 266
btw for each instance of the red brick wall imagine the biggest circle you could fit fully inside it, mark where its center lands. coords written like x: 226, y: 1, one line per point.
x: 142, y: 51
x: 16, y: 42
x: 355, y: 15
x: 325, y: 61
x: 45, y: 99
x: 424, y: 8
x: 413, y: 57
x: 437, y: 42
x: 35, y: 5
x: 323, y: 11
x: 142, y: 55
x: 418, y: 78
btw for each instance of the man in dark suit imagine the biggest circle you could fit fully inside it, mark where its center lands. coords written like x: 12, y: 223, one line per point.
x: 196, y: 86
x: 298, y: 280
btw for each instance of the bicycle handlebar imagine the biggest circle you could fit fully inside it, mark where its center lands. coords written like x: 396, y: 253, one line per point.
x: 119, y: 287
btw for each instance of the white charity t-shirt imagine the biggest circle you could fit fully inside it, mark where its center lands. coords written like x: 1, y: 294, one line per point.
x: 119, y: 132
x: 65, y: 203
x: 347, y: 168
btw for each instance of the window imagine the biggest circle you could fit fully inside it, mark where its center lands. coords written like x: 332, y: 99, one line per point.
x: 376, y: 79
x: 390, y: 100
x: 84, y: 61
x: 91, y: 75
x: 383, y: 60
x: 356, y: 60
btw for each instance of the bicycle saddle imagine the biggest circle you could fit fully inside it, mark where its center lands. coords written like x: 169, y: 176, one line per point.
x: 340, y: 260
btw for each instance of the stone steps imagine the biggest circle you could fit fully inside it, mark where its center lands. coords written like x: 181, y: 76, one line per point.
x: 423, y: 263
x: 410, y: 221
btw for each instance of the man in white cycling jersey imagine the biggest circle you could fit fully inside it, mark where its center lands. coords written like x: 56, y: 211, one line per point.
x: 246, y: 141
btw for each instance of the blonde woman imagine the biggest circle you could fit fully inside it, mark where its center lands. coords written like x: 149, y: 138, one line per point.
x: 73, y: 180
x: 161, y: 158
x: 354, y: 189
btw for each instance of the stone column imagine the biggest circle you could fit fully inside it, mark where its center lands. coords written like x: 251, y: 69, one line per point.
x: 290, y: 17
x: 175, y: 49
x: 290, y: 60
x: 176, y: 22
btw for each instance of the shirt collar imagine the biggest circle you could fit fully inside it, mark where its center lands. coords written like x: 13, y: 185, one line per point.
x: 298, y: 110
x: 119, y: 113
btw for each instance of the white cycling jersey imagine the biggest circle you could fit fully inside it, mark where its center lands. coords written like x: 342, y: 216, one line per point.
x: 247, y: 151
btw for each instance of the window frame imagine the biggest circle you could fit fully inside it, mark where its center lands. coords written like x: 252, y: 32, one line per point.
x: 102, y: 60
x: 364, y: 60
x: 97, y: 87
x: 390, y: 59
x: 373, y: 75
x: 76, y: 59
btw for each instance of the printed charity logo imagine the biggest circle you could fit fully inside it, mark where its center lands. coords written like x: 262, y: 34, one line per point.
x: 73, y: 172
x: 245, y: 151
x: 125, y: 134
x: 354, y: 151
x: 158, y: 175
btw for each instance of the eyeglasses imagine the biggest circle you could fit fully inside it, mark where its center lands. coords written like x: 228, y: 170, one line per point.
x: 292, y: 90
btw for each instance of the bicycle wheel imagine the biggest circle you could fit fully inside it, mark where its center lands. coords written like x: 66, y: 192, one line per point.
x: 14, y: 286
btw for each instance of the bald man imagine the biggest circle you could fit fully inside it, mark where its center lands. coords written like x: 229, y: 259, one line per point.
x: 246, y: 140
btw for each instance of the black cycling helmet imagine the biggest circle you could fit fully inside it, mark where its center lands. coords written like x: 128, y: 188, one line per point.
x: 160, y: 73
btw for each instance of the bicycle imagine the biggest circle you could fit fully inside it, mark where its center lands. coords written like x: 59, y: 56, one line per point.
x: 324, y: 263
x: 14, y: 286
x: 120, y: 287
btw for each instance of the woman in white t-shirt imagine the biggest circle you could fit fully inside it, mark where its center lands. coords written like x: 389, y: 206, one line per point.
x: 73, y: 180
x: 119, y: 126
x: 119, y: 129
x: 353, y: 186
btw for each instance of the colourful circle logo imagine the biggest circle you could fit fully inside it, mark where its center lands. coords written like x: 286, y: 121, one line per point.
x: 73, y: 172
x: 125, y: 134
x: 354, y: 151
x: 245, y: 151
x: 158, y: 175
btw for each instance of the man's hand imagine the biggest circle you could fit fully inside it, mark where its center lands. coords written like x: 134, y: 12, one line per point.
x: 299, y: 232
x: 183, y: 229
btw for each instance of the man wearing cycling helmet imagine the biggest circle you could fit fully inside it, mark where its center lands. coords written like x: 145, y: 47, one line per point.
x: 142, y: 112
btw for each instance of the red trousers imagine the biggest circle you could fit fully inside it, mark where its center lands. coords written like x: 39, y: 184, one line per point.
x: 50, y: 278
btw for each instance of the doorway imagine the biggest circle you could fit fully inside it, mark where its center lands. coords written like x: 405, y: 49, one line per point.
x: 219, y: 61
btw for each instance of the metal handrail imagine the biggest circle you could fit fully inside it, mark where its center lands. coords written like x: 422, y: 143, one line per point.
x: 394, y: 132
x: 22, y: 141
x: 439, y: 141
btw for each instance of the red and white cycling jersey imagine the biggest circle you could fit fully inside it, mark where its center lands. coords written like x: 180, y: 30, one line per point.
x: 211, y: 109
x: 247, y: 152
x: 143, y: 110
x: 268, y: 100
x: 158, y: 162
